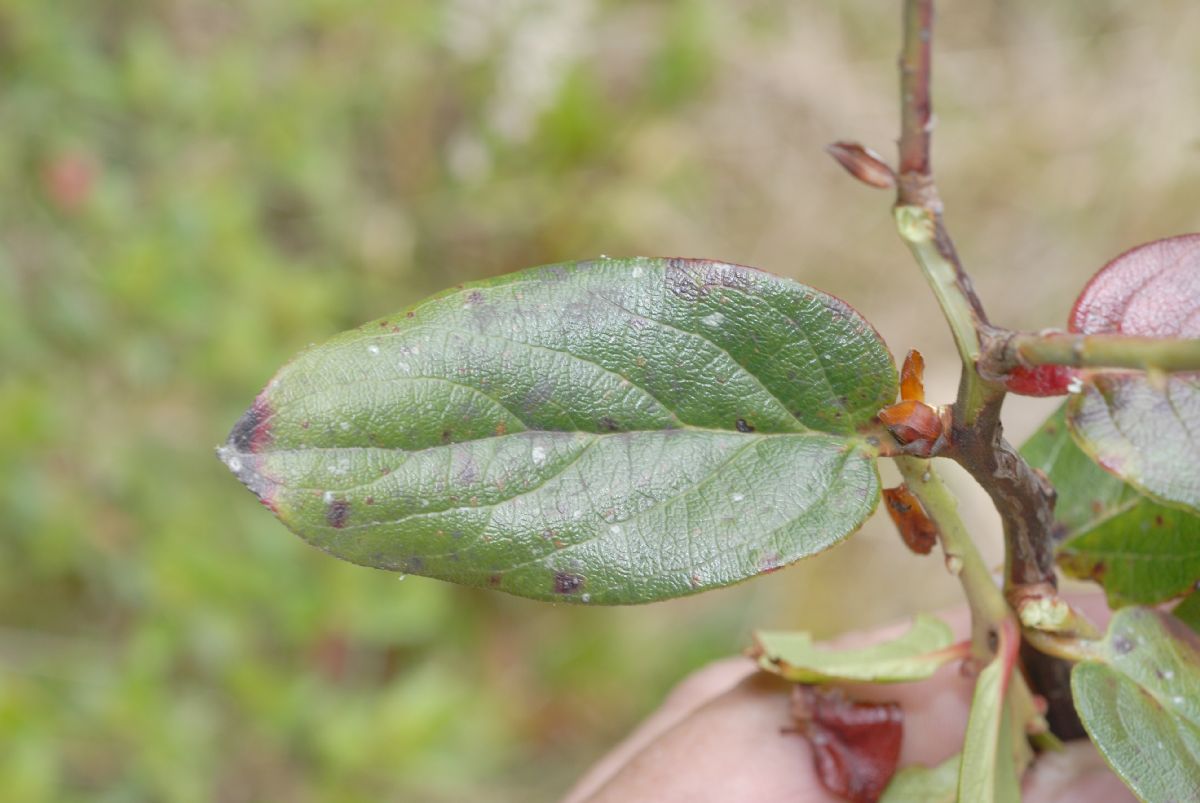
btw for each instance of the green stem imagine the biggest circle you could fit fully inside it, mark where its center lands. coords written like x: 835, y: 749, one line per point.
x: 990, y: 614
x: 921, y: 229
x: 988, y: 608
x: 1105, y: 351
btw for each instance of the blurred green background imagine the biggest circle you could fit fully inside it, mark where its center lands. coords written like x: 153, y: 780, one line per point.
x: 193, y: 190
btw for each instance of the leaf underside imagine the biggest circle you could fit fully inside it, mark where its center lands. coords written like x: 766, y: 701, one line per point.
x: 1140, y: 551
x: 611, y: 432
x: 913, y: 656
x: 1145, y: 433
x: 988, y: 770
x: 1140, y: 703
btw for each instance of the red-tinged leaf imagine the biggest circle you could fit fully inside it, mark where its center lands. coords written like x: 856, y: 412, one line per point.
x: 912, y: 377
x: 1039, y: 380
x: 863, y: 163
x: 1152, y: 290
x: 916, y: 528
x: 1142, y: 427
x: 856, y: 746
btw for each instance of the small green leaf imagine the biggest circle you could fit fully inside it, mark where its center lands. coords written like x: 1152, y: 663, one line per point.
x: 914, y: 656
x: 925, y: 784
x: 1144, y: 432
x: 988, y: 771
x: 1140, y: 703
x: 1140, y: 551
x: 612, y: 432
x: 1188, y: 611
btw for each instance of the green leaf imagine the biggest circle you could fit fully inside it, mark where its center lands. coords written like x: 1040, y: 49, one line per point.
x: 914, y: 656
x: 1140, y: 551
x: 988, y: 772
x: 1140, y: 703
x: 1188, y: 611
x: 612, y: 432
x: 1144, y: 432
x: 925, y: 784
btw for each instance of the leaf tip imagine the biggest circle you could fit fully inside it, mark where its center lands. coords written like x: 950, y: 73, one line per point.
x: 252, y: 431
x: 240, y: 452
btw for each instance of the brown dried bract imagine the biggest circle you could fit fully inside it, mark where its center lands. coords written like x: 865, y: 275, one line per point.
x: 856, y: 746
x: 914, y: 424
x: 916, y: 528
x: 912, y: 377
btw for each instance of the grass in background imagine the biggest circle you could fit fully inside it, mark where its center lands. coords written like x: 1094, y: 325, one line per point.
x: 194, y: 190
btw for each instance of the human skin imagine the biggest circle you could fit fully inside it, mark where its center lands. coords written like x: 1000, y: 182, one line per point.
x: 725, y: 734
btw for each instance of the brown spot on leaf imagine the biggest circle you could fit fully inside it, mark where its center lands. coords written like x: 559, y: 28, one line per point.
x: 495, y: 578
x: 501, y: 428
x: 743, y: 426
x: 370, y: 500
x: 1123, y: 644
x: 337, y: 513
x: 609, y: 424
x: 856, y: 746
x: 567, y: 583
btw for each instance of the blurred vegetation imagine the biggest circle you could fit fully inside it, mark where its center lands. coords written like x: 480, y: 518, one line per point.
x: 195, y: 189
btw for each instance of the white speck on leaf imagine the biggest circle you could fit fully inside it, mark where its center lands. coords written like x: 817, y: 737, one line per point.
x: 403, y: 366
x: 585, y: 597
x: 737, y: 497
x: 235, y: 465
x: 327, y: 497
x: 714, y: 320
x: 344, y: 426
x: 616, y: 528
x: 1168, y: 674
x: 372, y: 349
x: 637, y: 271
x: 539, y: 455
x: 1075, y: 385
